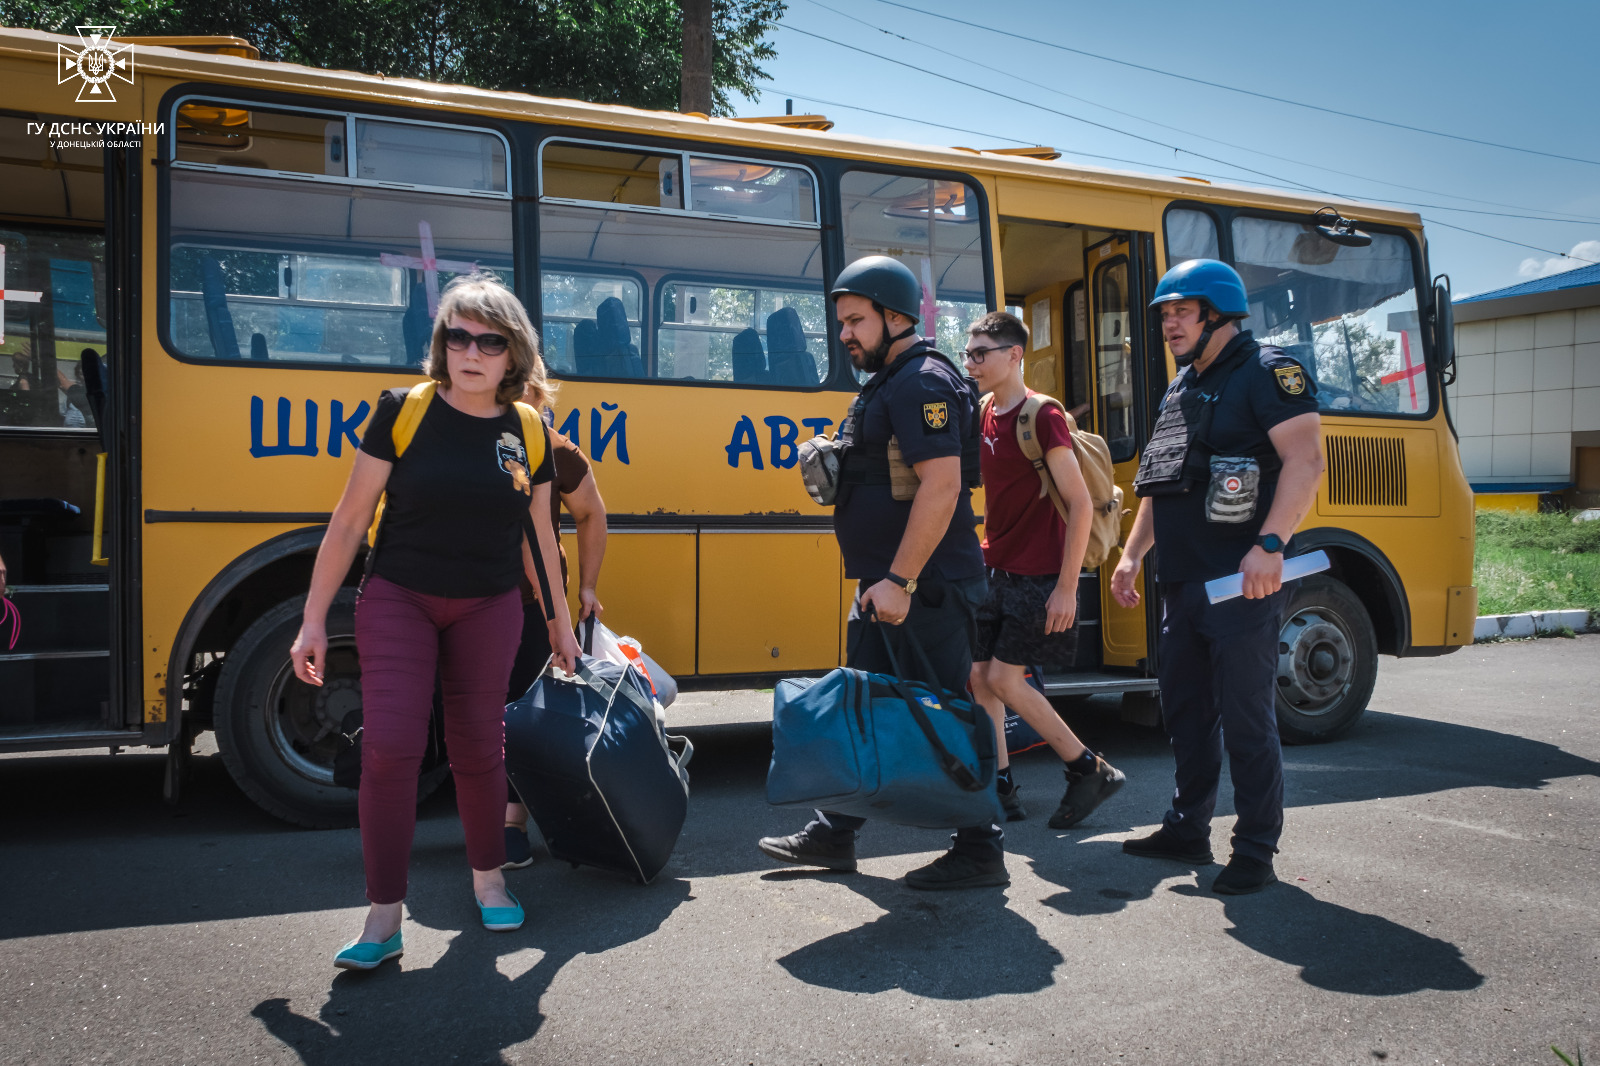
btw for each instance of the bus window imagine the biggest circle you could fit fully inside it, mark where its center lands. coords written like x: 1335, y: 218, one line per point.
x: 275, y: 270
x: 1190, y: 235
x: 1348, y: 314
x: 571, y: 299
x: 54, y: 283
x: 936, y: 228
x: 1114, y: 357
x: 746, y: 335
x: 417, y: 153
x: 212, y: 133
x: 713, y: 285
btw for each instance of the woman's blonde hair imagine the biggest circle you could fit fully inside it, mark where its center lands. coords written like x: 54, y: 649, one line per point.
x: 484, y: 298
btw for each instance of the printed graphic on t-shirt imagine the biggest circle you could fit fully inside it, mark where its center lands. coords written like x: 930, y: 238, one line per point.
x: 514, y: 461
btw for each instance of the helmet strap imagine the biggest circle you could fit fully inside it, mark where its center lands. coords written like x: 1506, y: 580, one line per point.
x: 888, y: 341
x: 1211, y: 326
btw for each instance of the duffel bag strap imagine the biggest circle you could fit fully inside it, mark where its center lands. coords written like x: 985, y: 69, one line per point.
x: 953, y: 767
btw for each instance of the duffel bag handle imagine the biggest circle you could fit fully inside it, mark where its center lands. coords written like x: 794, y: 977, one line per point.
x: 953, y: 767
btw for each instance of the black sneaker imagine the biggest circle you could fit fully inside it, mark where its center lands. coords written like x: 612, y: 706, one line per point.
x: 1164, y: 845
x: 806, y: 848
x: 1085, y: 792
x: 1011, y: 805
x: 519, y: 851
x: 959, y: 869
x: 1242, y: 876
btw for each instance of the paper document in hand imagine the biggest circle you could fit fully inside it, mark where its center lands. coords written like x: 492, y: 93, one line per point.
x: 1226, y: 588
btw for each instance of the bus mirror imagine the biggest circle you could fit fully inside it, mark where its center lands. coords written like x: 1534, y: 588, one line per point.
x: 1338, y: 229
x: 1444, y: 329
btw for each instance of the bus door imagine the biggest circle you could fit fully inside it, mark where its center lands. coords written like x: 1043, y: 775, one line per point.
x: 58, y: 336
x: 1117, y: 344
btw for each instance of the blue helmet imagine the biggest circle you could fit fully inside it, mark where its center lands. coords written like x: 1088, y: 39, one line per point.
x: 1211, y: 280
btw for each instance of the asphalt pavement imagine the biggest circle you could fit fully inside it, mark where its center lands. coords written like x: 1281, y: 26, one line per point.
x: 1440, y: 903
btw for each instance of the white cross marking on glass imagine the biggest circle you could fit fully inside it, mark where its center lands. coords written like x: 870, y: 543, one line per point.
x: 19, y: 295
x: 429, y: 266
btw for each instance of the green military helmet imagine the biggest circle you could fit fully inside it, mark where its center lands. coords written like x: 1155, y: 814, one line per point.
x: 887, y: 282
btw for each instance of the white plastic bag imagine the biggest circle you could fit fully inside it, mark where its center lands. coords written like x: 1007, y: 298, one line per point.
x: 599, y: 641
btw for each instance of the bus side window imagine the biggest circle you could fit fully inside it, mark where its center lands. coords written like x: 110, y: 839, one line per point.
x: 730, y: 278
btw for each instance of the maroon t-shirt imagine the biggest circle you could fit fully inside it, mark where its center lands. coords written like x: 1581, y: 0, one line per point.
x: 1021, y: 531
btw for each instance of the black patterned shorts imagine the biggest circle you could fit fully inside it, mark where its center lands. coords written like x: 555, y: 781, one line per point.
x: 1012, y: 619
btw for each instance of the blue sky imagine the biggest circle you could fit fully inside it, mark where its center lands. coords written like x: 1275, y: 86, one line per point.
x: 1524, y: 76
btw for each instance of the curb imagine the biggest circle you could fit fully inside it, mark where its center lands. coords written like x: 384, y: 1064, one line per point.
x: 1529, y: 624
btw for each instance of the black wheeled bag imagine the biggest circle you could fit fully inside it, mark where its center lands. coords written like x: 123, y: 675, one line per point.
x: 596, y: 771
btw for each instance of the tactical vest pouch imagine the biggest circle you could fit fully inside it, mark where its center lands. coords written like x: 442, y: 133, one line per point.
x: 903, y: 480
x: 1235, y: 486
x: 819, y: 469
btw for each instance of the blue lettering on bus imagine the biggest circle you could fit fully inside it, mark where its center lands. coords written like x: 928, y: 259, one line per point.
x: 258, y: 446
x: 569, y: 428
x: 785, y: 441
x: 744, y: 441
x: 618, y: 429
x: 817, y: 426
x: 341, y: 428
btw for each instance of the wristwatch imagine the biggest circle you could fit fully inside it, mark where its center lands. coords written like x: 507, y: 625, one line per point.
x: 1271, y: 543
x: 907, y: 583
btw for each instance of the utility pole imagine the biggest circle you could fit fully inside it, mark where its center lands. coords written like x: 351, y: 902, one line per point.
x: 696, y: 84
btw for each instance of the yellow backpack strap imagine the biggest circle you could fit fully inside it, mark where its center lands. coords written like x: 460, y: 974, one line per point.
x: 532, y: 435
x: 404, y: 428
x: 410, y: 416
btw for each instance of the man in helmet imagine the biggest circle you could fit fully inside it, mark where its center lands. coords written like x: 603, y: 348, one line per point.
x: 1231, y: 468
x: 904, y: 521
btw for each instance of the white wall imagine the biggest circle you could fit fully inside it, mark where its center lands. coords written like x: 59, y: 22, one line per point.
x: 1524, y: 386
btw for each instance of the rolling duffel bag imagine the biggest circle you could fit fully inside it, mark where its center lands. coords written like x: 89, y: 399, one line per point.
x: 878, y: 746
x: 595, y: 769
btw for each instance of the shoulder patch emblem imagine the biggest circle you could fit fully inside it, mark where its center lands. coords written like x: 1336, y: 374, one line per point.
x: 935, y: 415
x: 1291, y: 379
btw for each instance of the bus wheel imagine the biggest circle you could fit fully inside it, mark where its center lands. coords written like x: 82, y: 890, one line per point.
x: 1327, y: 662
x: 278, y: 735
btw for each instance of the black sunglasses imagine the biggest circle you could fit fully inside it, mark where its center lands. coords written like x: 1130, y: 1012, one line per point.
x: 976, y: 356
x: 459, y: 340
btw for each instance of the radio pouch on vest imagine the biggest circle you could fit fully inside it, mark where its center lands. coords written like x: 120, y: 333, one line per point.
x: 1235, y: 486
x: 404, y: 430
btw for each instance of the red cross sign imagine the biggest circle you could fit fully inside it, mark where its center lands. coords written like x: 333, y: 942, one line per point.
x: 429, y: 265
x: 18, y: 295
x: 1409, y: 373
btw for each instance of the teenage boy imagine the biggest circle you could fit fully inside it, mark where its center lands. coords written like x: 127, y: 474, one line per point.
x: 1034, y: 559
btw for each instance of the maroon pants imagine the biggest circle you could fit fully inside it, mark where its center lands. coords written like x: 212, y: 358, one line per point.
x: 404, y: 638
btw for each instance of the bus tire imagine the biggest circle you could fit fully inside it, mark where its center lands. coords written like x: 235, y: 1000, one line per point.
x: 278, y: 735
x: 1327, y: 662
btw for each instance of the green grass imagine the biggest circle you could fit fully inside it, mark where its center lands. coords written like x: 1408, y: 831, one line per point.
x: 1536, y: 562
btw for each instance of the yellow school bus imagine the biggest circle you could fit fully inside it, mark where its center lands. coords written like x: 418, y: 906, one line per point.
x: 214, y: 264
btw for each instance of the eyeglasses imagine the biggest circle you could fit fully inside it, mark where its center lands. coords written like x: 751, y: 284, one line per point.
x: 976, y: 356
x: 459, y: 340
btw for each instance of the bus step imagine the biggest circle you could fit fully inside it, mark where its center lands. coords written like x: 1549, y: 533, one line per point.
x: 1093, y: 683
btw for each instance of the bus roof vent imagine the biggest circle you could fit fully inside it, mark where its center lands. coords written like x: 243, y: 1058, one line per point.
x: 821, y: 123
x: 217, y: 46
x: 1037, y: 151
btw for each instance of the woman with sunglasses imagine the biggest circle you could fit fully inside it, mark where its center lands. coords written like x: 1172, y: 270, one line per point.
x: 442, y: 597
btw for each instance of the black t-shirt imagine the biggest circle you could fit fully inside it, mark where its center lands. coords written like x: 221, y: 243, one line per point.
x: 930, y: 408
x: 453, y: 520
x: 1268, y: 388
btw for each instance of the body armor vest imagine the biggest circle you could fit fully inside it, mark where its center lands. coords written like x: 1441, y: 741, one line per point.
x: 1178, y: 455
x: 867, y: 463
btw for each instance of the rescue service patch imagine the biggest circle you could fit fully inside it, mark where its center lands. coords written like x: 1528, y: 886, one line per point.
x: 1291, y: 379
x: 936, y: 415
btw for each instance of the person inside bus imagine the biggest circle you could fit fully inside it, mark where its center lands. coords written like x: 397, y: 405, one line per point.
x: 1034, y: 560
x: 916, y: 561
x: 1231, y: 469
x: 441, y: 595
x: 575, y: 487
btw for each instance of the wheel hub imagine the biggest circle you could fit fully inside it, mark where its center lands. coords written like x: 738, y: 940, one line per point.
x: 1316, y: 660
x: 304, y: 721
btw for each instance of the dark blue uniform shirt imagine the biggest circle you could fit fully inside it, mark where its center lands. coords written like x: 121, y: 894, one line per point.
x: 1268, y: 388
x: 930, y: 408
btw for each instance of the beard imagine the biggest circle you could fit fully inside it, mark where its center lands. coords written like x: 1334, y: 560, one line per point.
x: 871, y: 360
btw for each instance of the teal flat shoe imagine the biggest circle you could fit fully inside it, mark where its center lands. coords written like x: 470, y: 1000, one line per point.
x: 368, y: 956
x: 502, y: 919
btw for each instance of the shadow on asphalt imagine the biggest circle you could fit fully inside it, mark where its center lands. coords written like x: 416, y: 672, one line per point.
x: 956, y: 945
x: 464, y: 1001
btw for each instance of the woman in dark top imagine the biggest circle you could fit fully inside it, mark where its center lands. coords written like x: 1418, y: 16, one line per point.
x: 442, y: 595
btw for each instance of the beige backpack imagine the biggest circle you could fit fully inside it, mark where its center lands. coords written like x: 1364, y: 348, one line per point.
x: 1094, y: 459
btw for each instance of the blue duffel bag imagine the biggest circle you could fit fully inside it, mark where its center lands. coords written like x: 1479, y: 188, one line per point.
x: 880, y: 746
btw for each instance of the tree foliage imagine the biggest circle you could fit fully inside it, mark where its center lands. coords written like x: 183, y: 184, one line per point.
x: 605, y: 51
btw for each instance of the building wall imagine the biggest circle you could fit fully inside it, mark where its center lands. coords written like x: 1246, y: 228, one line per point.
x: 1524, y: 386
